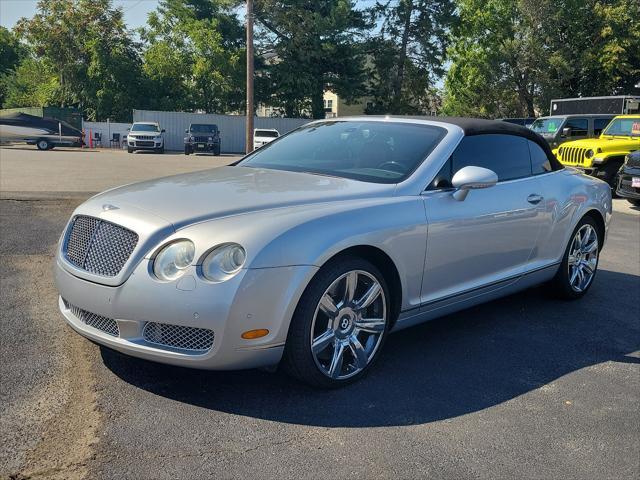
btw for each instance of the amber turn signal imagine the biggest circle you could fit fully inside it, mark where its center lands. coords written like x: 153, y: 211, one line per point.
x: 253, y: 334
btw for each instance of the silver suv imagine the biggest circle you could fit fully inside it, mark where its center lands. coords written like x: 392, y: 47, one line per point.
x: 145, y: 136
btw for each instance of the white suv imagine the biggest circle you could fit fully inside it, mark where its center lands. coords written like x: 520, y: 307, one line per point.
x: 145, y: 136
x: 262, y: 136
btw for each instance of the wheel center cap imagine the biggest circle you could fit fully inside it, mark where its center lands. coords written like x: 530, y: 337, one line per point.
x: 345, y: 322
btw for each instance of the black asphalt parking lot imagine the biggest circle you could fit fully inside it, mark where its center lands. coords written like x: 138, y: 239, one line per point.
x: 523, y: 387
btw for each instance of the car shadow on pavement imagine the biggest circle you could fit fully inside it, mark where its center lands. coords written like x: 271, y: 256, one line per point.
x: 452, y: 366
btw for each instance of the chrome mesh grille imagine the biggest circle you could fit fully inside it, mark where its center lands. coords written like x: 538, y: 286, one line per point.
x: 104, y: 324
x: 178, y: 336
x: 98, y: 246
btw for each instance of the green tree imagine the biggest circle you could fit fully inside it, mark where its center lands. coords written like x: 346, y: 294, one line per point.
x: 11, y: 52
x: 87, y: 46
x: 32, y: 84
x: 510, y: 58
x: 195, y: 55
x: 313, y: 46
x: 407, y: 54
x: 498, y: 64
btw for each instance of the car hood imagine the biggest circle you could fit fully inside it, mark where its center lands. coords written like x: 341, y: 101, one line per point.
x: 199, y: 196
x: 605, y: 143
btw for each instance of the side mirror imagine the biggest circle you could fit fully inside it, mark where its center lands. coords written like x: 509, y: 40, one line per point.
x: 186, y: 131
x: 472, y: 178
x: 163, y: 130
x: 566, y: 132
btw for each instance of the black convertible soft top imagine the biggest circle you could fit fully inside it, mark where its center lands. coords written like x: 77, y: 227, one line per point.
x: 479, y: 126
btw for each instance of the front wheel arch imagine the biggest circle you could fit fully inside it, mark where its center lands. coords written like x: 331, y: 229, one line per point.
x: 387, y: 267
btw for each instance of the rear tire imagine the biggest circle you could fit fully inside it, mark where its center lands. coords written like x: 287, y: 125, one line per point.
x: 580, y: 261
x: 357, y: 324
x: 43, y: 144
x: 216, y: 151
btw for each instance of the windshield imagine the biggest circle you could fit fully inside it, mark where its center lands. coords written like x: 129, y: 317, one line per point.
x: 201, y: 128
x: 144, y: 127
x: 266, y: 133
x: 547, y: 125
x: 379, y: 152
x: 627, y: 127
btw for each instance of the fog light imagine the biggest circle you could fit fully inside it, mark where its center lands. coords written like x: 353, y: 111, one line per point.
x: 253, y: 334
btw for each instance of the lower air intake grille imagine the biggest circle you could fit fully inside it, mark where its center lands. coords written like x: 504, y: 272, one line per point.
x: 177, y: 336
x: 104, y: 324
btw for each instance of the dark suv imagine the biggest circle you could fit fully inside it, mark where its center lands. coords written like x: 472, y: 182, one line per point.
x: 629, y: 179
x: 202, y: 137
x: 559, y: 129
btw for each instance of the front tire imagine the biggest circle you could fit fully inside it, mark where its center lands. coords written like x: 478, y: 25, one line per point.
x: 580, y: 261
x: 187, y: 151
x: 43, y: 144
x: 340, y: 324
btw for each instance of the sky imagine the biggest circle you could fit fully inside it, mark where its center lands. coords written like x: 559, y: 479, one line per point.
x: 135, y: 11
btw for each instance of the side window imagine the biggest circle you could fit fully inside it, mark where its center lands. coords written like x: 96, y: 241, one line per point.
x: 507, y: 155
x: 599, y: 124
x: 579, y: 127
x: 539, y: 161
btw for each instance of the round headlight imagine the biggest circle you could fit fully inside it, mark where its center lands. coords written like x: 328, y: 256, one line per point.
x: 223, y: 262
x: 173, y: 260
x: 590, y: 153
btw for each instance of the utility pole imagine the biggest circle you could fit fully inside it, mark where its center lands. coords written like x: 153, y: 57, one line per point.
x: 250, y: 108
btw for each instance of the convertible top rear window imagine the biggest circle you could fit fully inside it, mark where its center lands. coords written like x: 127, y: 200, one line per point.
x: 379, y: 152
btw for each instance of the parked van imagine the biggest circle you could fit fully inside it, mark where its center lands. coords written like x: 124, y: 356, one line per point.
x: 558, y: 129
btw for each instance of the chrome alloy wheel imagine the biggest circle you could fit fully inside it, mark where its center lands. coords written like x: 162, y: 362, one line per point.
x: 583, y: 258
x: 348, y: 324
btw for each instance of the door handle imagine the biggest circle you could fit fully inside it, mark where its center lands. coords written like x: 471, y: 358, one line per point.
x: 534, y: 199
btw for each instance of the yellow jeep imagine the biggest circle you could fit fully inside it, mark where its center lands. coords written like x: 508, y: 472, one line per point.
x: 602, y: 157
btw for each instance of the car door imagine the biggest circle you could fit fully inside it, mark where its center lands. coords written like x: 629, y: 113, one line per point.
x: 486, y: 240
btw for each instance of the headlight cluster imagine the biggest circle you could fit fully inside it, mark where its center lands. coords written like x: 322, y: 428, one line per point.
x: 223, y: 262
x: 590, y: 153
x: 173, y: 260
x: 220, y: 264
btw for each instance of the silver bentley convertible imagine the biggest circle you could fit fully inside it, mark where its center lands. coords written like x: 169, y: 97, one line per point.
x: 308, y: 252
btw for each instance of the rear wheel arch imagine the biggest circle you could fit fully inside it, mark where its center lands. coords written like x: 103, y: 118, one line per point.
x: 600, y: 224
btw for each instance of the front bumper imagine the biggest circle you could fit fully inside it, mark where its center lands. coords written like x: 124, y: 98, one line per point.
x: 144, y: 144
x: 203, y: 147
x: 253, y: 299
x: 624, y: 184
